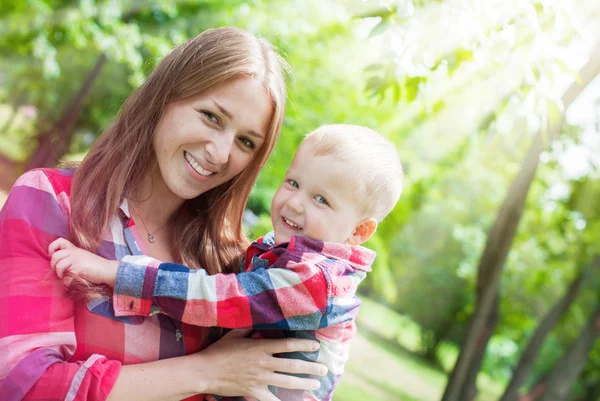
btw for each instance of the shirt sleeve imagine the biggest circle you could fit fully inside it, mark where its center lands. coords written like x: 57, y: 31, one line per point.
x: 290, y: 298
x: 37, y: 333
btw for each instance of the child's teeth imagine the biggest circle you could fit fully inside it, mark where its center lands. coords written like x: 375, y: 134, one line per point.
x: 291, y: 223
x: 195, y: 165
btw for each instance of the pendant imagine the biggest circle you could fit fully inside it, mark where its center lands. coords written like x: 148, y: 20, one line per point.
x: 151, y: 238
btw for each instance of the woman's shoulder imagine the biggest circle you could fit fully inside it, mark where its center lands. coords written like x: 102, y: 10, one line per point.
x: 39, y: 199
x: 48, y: 179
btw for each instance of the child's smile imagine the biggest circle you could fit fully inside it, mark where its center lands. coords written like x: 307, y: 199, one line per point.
x: 314, y: 201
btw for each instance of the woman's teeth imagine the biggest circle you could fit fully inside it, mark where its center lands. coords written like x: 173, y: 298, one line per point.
x: 291, y: 223
x: 196, y: 166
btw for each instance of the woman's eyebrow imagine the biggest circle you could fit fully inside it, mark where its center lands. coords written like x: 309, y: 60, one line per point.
x: 223, y: 109
x: 255, y: 134
x: 230, y: 116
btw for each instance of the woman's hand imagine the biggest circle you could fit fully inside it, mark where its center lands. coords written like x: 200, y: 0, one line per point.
x: 69, y: 261
x: 239, y: 366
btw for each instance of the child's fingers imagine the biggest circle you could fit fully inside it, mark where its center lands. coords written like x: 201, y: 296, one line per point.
x: 59, y: 243
x: 57, y: 257
x: 55, y: 245
x: 62, y: 267
x: 68, y: 280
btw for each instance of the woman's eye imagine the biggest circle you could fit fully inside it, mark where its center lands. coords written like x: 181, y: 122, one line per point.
x: 247, y: 143
x: 321, y: 199
x: 211, y: 117
x: 294, y: 183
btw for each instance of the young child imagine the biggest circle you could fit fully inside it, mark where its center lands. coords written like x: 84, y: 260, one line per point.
x: 298, y: 281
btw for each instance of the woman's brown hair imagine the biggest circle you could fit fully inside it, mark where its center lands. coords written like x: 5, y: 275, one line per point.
x: 207, y: 230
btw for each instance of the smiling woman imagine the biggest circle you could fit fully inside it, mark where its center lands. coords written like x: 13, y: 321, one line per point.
x: 181, y: 158
x: 206, y: 140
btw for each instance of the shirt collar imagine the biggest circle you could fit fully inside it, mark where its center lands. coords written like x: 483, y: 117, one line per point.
x: 124, y: 208
x: 359, y: 257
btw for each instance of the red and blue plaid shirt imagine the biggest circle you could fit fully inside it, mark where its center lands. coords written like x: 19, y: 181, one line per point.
x: 304, y: 289
x: 50, y: 347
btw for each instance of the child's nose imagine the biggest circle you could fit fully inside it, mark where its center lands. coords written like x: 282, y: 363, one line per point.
x: 295, y: 204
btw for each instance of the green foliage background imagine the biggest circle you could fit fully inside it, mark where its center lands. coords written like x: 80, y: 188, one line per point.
x: 461, y: 101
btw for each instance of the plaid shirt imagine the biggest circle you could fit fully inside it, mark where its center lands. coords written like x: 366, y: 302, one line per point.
x: 304, y: 289
x: 50, y: 347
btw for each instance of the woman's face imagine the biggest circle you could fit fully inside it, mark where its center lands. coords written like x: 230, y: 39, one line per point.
x: 205, y: 140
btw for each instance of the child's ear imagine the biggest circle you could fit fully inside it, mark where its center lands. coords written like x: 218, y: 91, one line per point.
x: 363, y: 232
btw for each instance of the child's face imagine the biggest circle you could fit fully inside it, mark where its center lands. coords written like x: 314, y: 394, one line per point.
x: 315, y: 200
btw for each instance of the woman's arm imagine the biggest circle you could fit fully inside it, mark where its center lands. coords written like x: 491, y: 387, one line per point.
x: 291, y: 298
x: 37, y: 332
x: 233, y: 366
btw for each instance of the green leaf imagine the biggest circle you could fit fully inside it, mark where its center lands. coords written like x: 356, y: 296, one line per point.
x: 412, y: 85
x: 382, y: 12
x: 374, y: 67
x: 564, y: 67
x: 379, y: 28
x: 374, y: 85
x: 397, y: 92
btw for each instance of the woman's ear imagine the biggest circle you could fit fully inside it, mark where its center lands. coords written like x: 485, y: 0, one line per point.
x: 363, y: 232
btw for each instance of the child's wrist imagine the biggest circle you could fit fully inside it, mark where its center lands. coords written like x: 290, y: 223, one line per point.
x: 111, y: 270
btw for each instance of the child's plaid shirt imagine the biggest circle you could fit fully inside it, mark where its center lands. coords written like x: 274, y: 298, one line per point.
x: 304, y: 289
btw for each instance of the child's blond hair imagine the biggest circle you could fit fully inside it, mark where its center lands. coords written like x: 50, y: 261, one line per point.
x: 375, y: 171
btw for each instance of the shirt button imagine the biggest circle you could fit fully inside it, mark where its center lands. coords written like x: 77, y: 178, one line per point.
x: 178, y: 335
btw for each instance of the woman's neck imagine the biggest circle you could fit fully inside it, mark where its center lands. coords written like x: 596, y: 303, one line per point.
x: 155, y: 202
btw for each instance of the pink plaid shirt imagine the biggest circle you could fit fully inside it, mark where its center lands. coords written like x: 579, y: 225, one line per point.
x: 50, y: 347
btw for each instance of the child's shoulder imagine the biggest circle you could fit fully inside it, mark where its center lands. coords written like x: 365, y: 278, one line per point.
x: 356, y: 256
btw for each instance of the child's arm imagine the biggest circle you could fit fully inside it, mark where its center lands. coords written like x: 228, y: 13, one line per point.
x: 258, y: 298
x: 291, y: 298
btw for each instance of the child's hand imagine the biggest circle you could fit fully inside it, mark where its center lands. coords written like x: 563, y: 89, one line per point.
x: 69, y: 261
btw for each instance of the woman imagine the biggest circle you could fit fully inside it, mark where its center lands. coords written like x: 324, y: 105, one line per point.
x: 170, y: 179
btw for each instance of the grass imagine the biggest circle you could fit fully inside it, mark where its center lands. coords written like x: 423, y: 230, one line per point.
x: 384, y: 367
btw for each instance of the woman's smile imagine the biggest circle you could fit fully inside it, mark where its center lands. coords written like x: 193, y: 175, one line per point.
x: 193, y: 163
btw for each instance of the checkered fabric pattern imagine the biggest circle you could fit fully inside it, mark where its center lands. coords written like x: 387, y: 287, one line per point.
x: 304, y: 289
x: 50, y: 347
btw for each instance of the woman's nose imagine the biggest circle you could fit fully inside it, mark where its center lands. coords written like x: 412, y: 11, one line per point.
x: 219, y: 148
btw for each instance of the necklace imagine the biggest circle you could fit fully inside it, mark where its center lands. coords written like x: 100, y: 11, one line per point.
x: 150, y: 237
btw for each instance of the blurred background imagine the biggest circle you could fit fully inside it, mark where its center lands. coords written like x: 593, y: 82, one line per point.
x: 486, y: 285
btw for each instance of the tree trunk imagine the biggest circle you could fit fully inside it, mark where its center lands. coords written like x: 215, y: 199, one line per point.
x: 469, y: 390
x: 567, y: 369
x: 54, y: 143
x: 536, y: 390
x: 536, y: 341
x: 592, y: 392
x: 501, y: 236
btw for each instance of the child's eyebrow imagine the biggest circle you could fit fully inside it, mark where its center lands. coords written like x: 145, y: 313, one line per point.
x: 327, y: 194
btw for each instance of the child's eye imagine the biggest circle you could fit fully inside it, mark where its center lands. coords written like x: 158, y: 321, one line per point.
x: 321, y: 199
x: 293, y: 183
x: 211, y: 117
x: 247, y: 143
